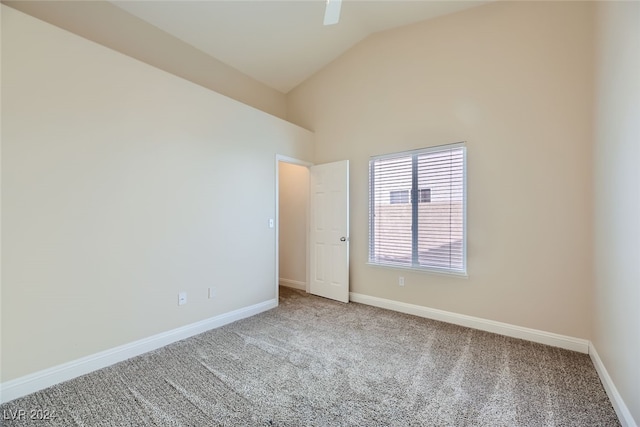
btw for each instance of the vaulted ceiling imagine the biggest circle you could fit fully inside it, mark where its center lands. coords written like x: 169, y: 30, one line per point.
x: 280, y: 43
x: 274, y: 44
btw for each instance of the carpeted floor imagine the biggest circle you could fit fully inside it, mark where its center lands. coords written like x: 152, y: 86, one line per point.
x: 315, y: 362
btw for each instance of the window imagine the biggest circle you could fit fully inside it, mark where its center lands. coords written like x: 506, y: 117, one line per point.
x: 402, y: 196
x: 424, y: 195
x: 399, y: 196
x: 417, y: 209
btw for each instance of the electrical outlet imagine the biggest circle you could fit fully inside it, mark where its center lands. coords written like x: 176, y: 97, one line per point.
x: 401, y: 280
x: 182, y: 298
x: 212, y: 293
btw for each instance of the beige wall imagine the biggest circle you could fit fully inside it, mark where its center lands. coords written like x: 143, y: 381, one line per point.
x: 616, y: 327
x: 97, y: 19
x: 123, y: 185
x: 294, y: 201
x: 514, y: 80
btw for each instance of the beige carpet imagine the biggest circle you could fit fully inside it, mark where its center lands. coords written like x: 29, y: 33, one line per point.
x: 315, y: 362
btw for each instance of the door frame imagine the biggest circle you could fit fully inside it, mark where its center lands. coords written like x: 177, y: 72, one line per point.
x: 291, y: 160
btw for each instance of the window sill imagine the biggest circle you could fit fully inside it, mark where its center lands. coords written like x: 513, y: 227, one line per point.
x: 435, y: 271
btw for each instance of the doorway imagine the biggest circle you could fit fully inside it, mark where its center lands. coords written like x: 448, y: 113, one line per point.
x: 312, y: 227
x: 292, y: 200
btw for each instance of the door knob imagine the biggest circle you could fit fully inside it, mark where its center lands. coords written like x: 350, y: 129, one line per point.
x: 343, y: 239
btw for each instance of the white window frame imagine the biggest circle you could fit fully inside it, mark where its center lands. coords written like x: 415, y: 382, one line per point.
x: 414, y: 266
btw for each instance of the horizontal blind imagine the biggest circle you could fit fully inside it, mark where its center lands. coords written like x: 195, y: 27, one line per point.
x: 426, y: 228
x: 389, y: 220
x: 441, y: 221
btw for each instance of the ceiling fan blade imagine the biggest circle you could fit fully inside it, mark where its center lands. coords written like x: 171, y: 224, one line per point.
x: 332, y: 12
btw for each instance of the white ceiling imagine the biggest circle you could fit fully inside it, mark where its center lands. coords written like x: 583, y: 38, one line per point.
x: 281, y: 43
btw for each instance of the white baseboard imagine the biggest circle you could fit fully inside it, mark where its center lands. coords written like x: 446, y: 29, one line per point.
x: 22, y: 386
x: 542, y: 337
x: 295, y: 284
x: 616, y: 400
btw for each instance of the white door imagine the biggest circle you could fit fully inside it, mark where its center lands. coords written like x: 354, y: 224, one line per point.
x: 329, y: 230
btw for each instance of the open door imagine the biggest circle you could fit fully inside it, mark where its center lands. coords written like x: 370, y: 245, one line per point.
x: 329, y: 230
